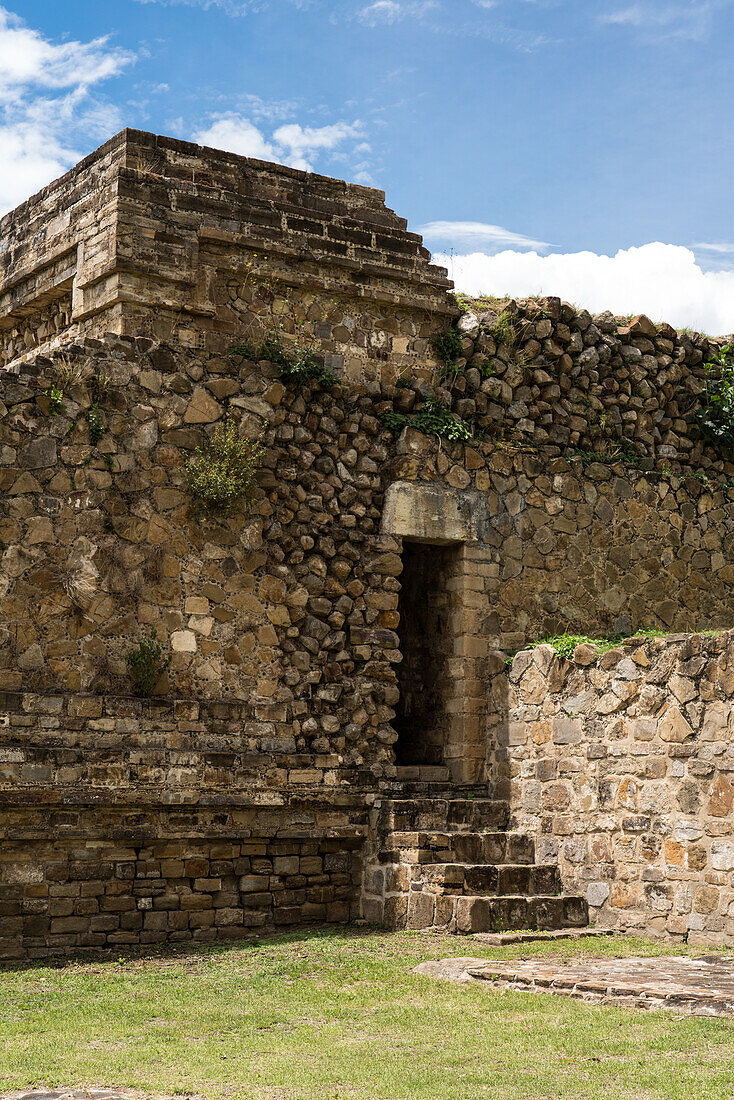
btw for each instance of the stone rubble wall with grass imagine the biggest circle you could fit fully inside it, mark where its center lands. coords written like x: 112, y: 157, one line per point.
x: 547, y: 373
x: 621, y: 764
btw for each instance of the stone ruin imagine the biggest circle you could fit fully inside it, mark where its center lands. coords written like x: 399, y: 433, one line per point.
x: 338, y: 733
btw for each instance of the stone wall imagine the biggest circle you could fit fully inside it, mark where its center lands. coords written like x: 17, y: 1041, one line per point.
x: 606, y: 549
x: 61, y: 897
x: 133, y: 821
x: 101, y: 542
x: 247, y: 791
x: 621, y: 765
x: 285, y: 606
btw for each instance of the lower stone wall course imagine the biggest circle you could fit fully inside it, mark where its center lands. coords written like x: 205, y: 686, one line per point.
x: 61, y: 898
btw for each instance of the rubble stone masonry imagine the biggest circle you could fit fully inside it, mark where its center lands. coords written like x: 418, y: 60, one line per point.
x: 304, y: 702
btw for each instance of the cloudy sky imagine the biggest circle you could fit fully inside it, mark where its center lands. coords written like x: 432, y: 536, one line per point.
x: 577, y: 147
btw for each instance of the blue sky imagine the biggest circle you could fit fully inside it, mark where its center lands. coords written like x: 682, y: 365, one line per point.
x: 540, y: 144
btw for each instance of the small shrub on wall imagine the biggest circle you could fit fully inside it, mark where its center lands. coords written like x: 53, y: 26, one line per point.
x: 447, y: 346
x: 222, y: 473
x: 146, y: 664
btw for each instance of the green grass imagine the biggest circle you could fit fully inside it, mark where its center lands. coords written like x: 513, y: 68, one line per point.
x: 565, y: 644
x: 340, y: 1015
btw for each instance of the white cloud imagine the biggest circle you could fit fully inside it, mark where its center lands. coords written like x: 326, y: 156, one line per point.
x: 230, y: 7
x: 292, y: 144
x: 478, y: 234
x: 28, y: 59
x: 390, y: 11
x: 720, y: 249
x: 38, y: 129
x: 237, y: 135
x: 661, y: 280
x: 690, y: 20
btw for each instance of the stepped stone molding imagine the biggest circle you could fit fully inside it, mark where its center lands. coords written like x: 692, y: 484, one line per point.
x: 160, y: 237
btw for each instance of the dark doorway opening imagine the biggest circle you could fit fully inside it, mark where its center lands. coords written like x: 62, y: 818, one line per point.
x: 426, y: 644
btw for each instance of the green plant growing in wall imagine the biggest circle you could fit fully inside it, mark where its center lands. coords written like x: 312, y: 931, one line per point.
x: 96, y: 424
x: 713, y: 420
x: 433, y: 418
x: 99, y: 384
x: 450, y: 372
x: 504, y: 330
x: 55, y: 397
x: 222, y: 473
x: 295, y: 358
x: 146, y: 663
x: 461, y: 300
x: 264, y: 334
x: 447, y: 345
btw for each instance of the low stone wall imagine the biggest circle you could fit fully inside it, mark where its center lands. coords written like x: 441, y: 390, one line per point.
x: 622, y: 766
x: 57, y: 898
x: 188, y: 750
x: 133, y: 821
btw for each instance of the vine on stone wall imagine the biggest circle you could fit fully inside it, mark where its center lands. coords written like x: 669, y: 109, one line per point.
x: 713, y: 421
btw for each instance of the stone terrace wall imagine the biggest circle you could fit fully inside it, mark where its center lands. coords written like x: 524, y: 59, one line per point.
x: 59, y: 897
x: 132, y: 821
x: 622, y: 765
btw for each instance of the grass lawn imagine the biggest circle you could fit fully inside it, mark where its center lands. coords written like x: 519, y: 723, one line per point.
x: 339, y: 1015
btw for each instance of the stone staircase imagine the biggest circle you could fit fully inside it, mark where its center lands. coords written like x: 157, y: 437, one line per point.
x: 444, y: 860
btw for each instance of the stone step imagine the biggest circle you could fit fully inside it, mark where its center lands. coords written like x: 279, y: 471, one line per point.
x: 422, y: 773
x: 443, y: 847
x: 446, y: 814
x: 482, y: 879
x: 457, y: 913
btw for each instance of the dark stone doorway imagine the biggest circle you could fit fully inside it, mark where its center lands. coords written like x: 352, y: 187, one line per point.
x: 426, y: 644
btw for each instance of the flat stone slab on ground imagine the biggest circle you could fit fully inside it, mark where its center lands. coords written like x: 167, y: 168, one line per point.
x: 702, y: 986
x: 502, y: 939
x: 92, y: 1093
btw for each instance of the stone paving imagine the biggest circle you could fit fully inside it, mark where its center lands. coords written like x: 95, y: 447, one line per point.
x: 702, y: 986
